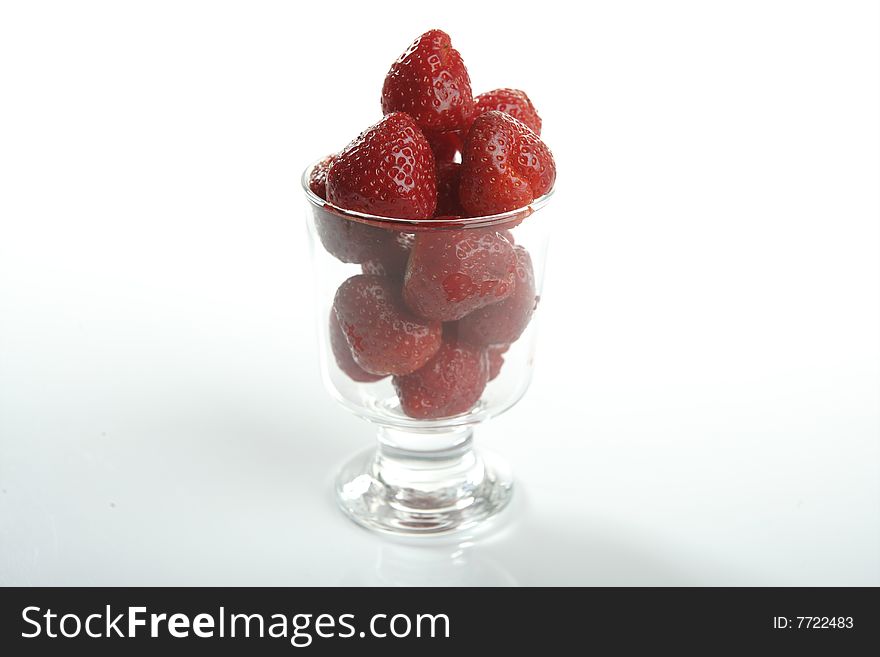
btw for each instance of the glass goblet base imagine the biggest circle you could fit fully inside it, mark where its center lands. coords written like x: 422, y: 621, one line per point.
x: 421, y: 484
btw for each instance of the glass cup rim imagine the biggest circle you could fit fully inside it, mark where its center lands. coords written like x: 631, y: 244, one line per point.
x: 461, y: 222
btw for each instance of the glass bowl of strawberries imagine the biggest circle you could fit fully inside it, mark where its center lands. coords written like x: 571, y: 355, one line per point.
x: 429, y: 233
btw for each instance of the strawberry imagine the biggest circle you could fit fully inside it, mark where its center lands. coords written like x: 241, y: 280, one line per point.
x: 448, y: 176
x: 448, y: 384
x: 504, y: 322
x: 447, y: 146
x: 387, y: 171
x: 510, y: 101
x: 342, y: 354
x: 318, y: 177
x: 391, y: 260
x: 349, y: 240
x: 496, y: 359
x: 454, y: 272
x: 430, y: 83
x: 505, y: 166
x: 384, y: 336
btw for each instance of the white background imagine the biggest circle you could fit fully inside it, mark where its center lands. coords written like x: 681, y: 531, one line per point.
x: 705, y: 409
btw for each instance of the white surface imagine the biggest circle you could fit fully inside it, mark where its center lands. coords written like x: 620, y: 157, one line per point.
x: 706, y: 404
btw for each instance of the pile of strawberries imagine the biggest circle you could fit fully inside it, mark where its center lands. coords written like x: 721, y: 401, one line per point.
x: 438, y: 303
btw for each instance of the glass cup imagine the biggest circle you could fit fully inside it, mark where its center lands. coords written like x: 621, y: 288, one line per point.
x: 426, y: 329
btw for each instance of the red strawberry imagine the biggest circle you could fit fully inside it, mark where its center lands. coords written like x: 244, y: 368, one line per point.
x: 392, y: 259
x: 447, y: 146
x: 388, y: 171
x: 453, y: 272
x: 496, y: 359
x: 504, y: 322
x: 448, y: 176
x: 450, y: 383
x: 342, y: 354
x: 384, y: 336
x: 505, y: 166
x: 510, y: 101
x: 430, y: 83
x: 318, y: 177
x: 349, y: 240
